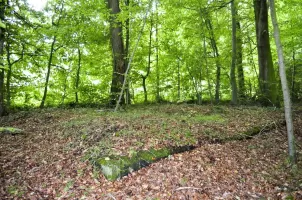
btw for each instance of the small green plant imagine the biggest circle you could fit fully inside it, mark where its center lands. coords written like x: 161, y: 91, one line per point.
x: 132, y: 152
x: 252, y: 147
x: 80, y: 172
x: 95, y: 173
x: 68, y: 185
x: 84, y: 136
x: 183, y: 181
x: 15, y: 191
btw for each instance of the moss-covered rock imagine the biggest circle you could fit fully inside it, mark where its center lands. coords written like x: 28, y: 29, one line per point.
x: 10, y: 130
x: 115, y: 167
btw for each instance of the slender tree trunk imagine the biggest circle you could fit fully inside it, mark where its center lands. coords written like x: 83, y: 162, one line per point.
x: 9, y: 70
x: 286, y: 94
x: 144, y: 77
x: 117, y: 52
x: 199, y: 98
x: 8, y: 76
x: 216, y: 55
x: 78, y: 76
x: 239, y: 65
x: 207, y: 69
x: 234, y: 55
x: 52, y: 50
x: 48, y: 71
x: 127, y: 27
x: 145, y: 89
x: 268, y: 84
x: 293, y: 78
x: 178, y: 79
x: 2, y: 70
x: 251, y: 59
x: 65, y: 88
x: 157, y: 57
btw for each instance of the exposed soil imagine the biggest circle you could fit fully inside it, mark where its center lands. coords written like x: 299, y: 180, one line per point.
x: 51, y: 159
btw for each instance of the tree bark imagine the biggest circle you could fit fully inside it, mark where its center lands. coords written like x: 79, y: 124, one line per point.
x: 145, y: 89
x: 234, y: 55
x: 267, y: 79
x: 207, y: 69
x: 127, y: 27
x: 239, y: 65
x: 157, y: 57
x: 178, y: 79
x: 8, y: 76
x: 117, y: 52
x: 144, y: 77
x: 10, y: 64
x: 293, y: 78
x: 65, y: 87
x: 78, y: 76
x: 2, y: 70
x: 286, y: 94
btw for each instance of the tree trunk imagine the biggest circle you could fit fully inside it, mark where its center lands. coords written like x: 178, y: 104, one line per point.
x: 239, y: 65
x: 216, y: 55
x: 199, y: 98
x: 8, y: 76
x: 149, y: 61
x: 207, y: 70
x: 286, y: 94
x: 65, y: 88
x: 251, y: 59
x: 52, y: 50
x: 117, y: 52
x: 2, y: 70
x: 293, y: 78
x: 234, y: 55
x: 48, y: 72
x: 9, y: 70
x: 267, y: 79
x: 127, y: 27
x: 178, y: 79
x: 145, y: 89
x: 157, y: 57
x: 78, y: 76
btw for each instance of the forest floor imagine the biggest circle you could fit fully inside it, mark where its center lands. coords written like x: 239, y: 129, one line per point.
x: 50, y: 160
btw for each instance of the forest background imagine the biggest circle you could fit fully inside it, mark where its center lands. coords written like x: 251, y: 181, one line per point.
x: 77, y: 52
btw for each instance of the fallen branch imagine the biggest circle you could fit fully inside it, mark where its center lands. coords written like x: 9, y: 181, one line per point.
x: 249, y: 134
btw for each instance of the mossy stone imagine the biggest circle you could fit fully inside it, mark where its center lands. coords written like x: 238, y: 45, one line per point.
x: 10, y: 130
x: 115, y: 167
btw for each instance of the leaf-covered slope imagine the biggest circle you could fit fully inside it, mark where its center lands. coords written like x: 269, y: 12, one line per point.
x: 49, y: 161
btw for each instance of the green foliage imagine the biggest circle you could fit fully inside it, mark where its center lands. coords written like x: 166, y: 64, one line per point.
x: 178, y: 52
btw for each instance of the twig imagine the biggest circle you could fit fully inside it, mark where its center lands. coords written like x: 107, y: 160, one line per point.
x: 111, y: 196
x: 188, y: 188
x: 264, y: 128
